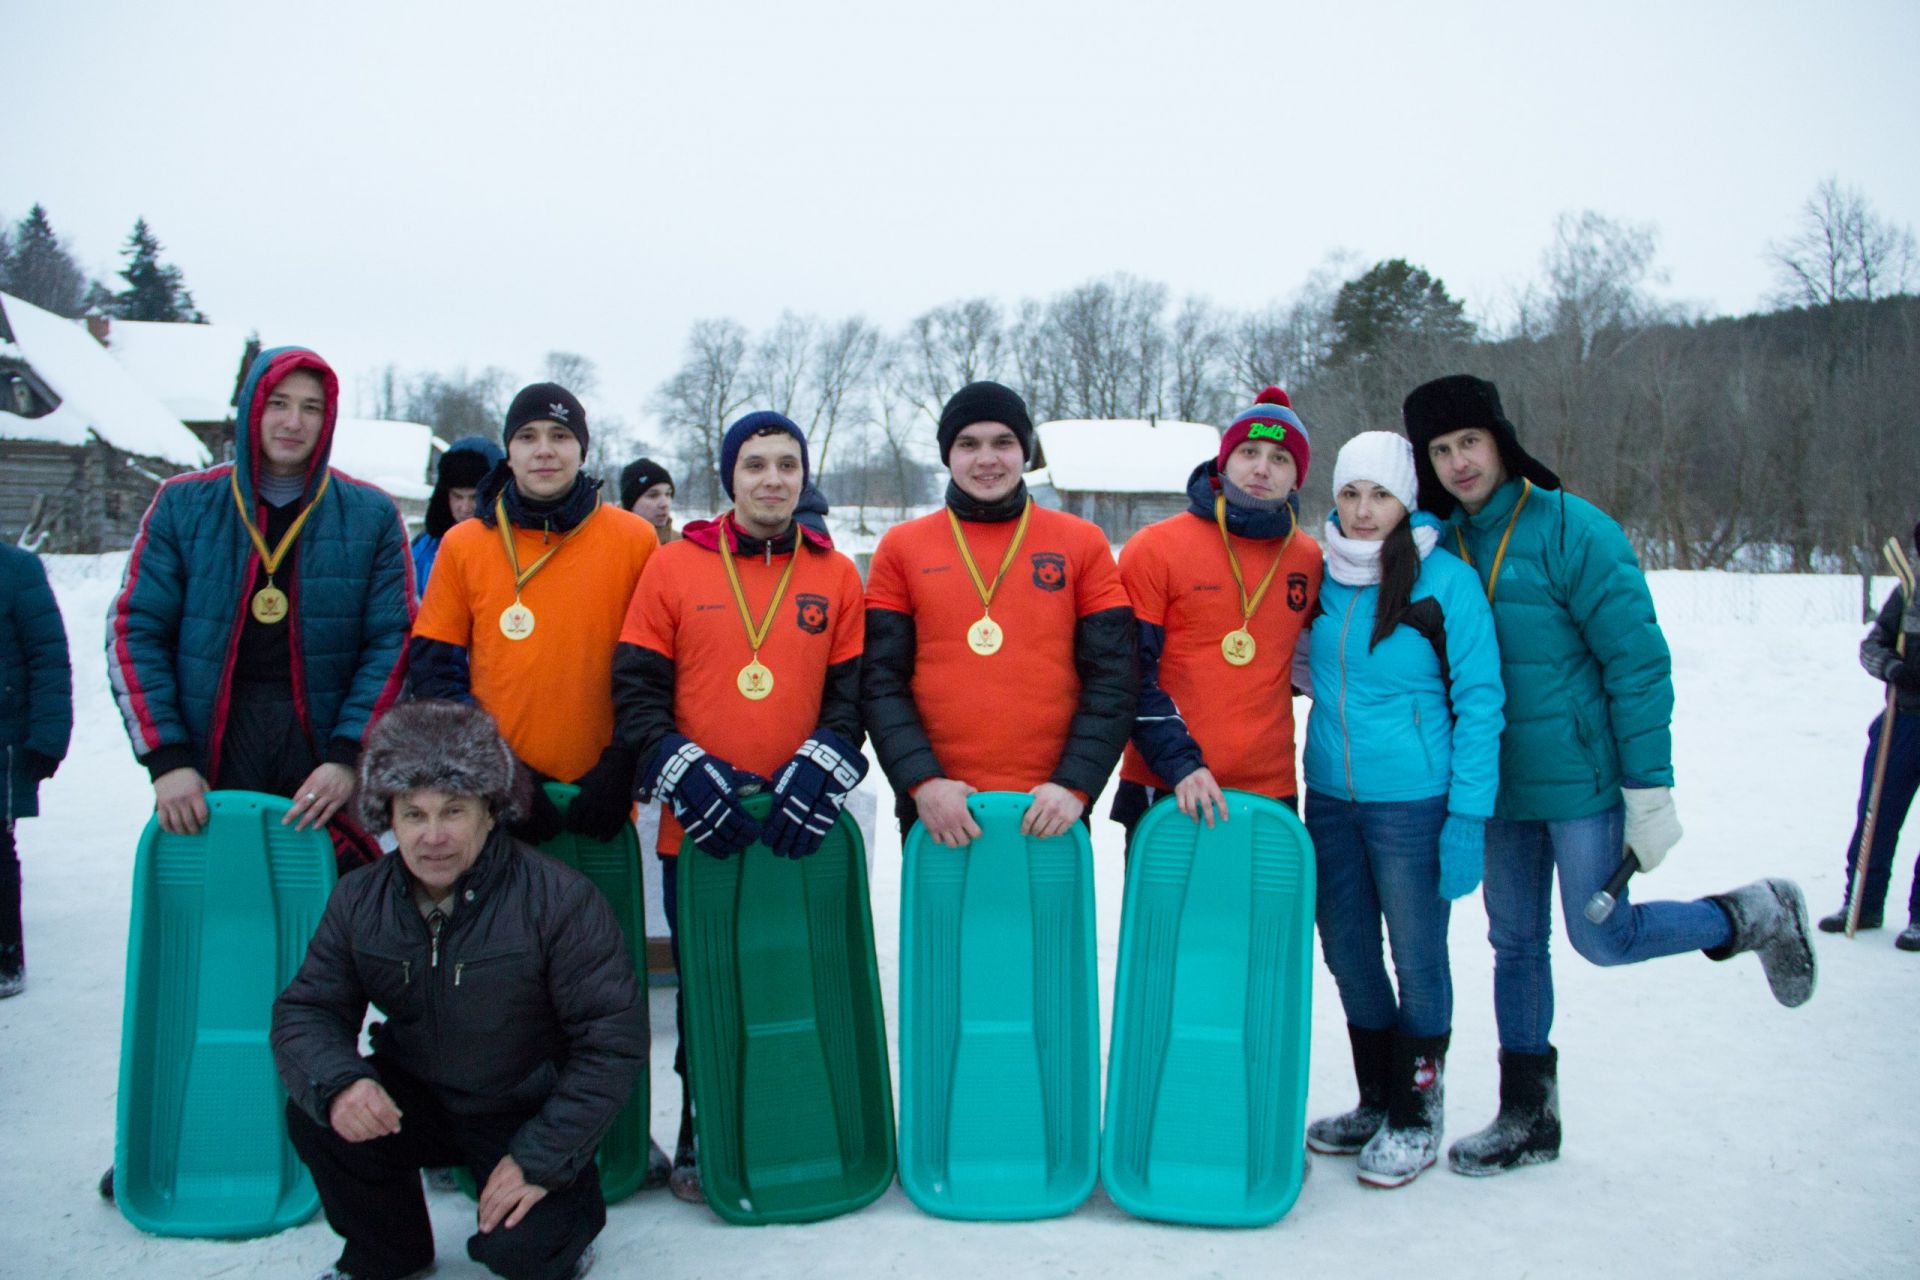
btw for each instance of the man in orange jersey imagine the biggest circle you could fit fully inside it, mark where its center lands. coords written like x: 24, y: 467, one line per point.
x: 1000, y: 647
x: 1222, y: 594
x: 739, y: 665
x: 523, y: 611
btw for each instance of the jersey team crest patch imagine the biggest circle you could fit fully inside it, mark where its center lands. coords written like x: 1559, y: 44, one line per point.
x: 1049, y: 570
x: 810, y: 613
x: 1297, y: 592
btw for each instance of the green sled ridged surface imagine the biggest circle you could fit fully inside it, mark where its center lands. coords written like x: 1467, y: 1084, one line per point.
x: 1207, y: 1077
x: 220, y: 922
x: 614, y: 867
x: 999, y: 1020
x: 786, y: 1038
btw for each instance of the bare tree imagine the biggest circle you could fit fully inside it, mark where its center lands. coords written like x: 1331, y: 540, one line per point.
x: 778, y: 375
x: 1842, y: 251
x: 946, y: 348
x: 573, y: 371
x: 697, y: 402
x: 838, y: 380
x: 1597, y: 270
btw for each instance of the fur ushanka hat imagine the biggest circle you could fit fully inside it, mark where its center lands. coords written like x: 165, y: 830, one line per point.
x: 432, y: 745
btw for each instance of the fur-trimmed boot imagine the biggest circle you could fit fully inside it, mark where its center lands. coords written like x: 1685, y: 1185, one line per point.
x: 1769, y: 918
x: 1527, y: 1130
x: 1346, y: 1133
x: 684, y: 1180
x: 1409, y: 1141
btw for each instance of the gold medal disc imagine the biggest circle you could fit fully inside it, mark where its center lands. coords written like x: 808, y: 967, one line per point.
x: 755, y: 681
x: 516, y: 621
x: 984, y: 637
x: 1237, y: 647
x: 269, y: 605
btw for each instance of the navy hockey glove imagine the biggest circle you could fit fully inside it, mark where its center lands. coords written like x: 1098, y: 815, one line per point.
x: 700, y: 790
x: 605, y: 802
x: 809, y: 792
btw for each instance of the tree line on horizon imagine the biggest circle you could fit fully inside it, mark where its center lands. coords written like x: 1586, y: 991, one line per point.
x: 37, y: 266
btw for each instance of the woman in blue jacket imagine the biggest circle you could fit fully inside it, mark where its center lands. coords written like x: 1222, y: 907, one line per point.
x: 1402, y: 769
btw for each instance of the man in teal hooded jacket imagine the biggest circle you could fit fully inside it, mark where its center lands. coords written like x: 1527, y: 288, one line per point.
x: 1586, y: 758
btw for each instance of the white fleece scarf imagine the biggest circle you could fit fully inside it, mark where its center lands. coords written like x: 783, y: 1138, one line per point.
x: 1355, y: 563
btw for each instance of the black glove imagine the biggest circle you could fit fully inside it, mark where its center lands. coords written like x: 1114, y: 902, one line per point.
x: 605, y: 802
x: 543, y: 821
x: 1881, y: 664
x: 700, y: 790
x: 40, y: 767
x: 810, y: 791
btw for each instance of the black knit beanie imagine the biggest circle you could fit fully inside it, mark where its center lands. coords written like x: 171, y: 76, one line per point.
x: 548, y: 402
x: 985, y: 402
x: 641, y: 475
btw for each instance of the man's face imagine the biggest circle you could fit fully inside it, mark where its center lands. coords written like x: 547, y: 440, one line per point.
x: 766, y: 483
x: 1262, y: 469
x: 544, y: 457
x: 1468, y: 464
x: 655, y: 506
x: 440, y: 835
x: 460, y: 503
x: 290, y: 424
x: 986, y: 460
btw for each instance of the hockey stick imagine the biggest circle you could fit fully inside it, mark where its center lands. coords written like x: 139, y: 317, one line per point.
x: 1897, y: 559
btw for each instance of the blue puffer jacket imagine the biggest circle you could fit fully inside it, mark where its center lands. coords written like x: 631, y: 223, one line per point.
x: 1589, y: 679
x: 1397, y: 722
x: 174, y: 629
x: 36, y: 696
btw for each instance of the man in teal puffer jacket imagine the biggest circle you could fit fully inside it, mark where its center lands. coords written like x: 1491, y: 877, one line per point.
x: 1586, y: 759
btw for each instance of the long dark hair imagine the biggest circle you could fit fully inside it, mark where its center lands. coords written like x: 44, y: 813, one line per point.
x: 1399, y: 566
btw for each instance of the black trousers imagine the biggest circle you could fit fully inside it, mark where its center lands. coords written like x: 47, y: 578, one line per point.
x: 373, y: 1198
x: 10, y: 935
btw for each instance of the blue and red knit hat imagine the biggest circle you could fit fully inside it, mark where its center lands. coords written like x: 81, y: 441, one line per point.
x: 1271, y: 418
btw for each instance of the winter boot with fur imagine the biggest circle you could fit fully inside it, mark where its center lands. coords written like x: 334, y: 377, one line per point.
x: 1416, y: 1108
x: 1346, y: 1133
x: 1527, y: 1130
x: 1769, y: 918
x: 659, y: 1167
x: 685, y: 1179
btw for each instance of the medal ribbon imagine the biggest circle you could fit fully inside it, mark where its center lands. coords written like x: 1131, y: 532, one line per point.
x: 756, y: 636
x: 521, y: 577
x: 973, y: 570
x: 1248, y: 607
x: 1500, y: 554
x: 271, y: 559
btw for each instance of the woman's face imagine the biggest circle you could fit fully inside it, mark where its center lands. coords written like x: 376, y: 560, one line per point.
x: 440, y: 835
x: 1368, y: 513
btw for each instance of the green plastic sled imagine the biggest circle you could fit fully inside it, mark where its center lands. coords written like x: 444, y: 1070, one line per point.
x: 999, y: 1020
x: 1207, y: 1078
x: 614, y: 867
x: 221, y: 921
x: 786, y: 1038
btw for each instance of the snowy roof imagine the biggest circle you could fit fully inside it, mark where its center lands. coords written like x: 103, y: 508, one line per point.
x: 192, y: 368
x: 1124, y: 455
x: 393, y: 455
x: 96, y: 394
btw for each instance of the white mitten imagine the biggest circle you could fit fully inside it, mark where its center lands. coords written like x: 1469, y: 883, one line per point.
x: 1653, y: 825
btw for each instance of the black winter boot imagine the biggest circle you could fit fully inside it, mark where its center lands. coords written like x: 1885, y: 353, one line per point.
x: 13, y: 971
x: 1527, y: 1130
x: 1769, y: 918
x: 1346, y: 1133
x: 1909, y: 939
x: 1837, y: 922
x: 1416, y: 1108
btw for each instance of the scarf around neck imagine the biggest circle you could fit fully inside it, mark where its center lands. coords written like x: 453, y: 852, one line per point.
x: 968, y: 507
x: 1356, y: 563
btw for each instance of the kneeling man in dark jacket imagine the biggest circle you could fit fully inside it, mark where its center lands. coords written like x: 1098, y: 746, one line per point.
x: 514, y: 1030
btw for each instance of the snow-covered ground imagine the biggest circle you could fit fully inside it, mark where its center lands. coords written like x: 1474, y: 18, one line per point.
x: 1709, y: 1132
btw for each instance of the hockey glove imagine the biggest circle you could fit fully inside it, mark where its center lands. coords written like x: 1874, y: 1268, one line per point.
x: 543, y: 821
x: 1463, y: 855
x: 605, y: 802
x: 809, y: 792
x: 699, y: 788
x: 1653, y: 824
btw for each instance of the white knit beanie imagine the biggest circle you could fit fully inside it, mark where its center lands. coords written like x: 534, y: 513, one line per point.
x: 1383, y: 457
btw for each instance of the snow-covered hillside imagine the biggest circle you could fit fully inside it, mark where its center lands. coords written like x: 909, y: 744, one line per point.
x: 1708, y: 1131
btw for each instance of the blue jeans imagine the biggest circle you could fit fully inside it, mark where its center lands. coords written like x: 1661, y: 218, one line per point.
x: 1382, y: 861
x: 1521, y: 857
x: 1896, y: 797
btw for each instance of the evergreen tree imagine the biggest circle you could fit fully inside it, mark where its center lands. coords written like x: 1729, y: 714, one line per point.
x: 1392, y: 303
x: 36, y: 267
x: 155, y: 289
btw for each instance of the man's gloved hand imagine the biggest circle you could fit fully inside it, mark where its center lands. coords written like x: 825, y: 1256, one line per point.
x: 1463, y: 855
x: 699, y: 788
x: 1653, y: 824
x: 1881, y: 664
x: 809, y: 792
x: 543, y: 821
x: 39, y: 767
x: 605, y: 802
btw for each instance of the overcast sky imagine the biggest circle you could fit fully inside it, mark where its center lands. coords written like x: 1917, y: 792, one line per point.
x: 437, y: 185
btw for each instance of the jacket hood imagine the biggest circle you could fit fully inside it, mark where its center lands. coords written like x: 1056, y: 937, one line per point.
x: 270, y: 368
x: 707, y: 534
x: 1203, y: 486
x: 463, y: 466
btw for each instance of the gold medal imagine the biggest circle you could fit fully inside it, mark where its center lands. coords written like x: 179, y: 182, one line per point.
x: 984, y: 637
x: 269, y: 604
x: 755, y: 681
x: 1237, y: 647
x: 516, y: 621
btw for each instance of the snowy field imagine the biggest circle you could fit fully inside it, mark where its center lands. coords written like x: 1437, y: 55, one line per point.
x: 1709, y: 1132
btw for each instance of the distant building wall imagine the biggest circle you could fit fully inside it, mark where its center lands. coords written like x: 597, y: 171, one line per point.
x: 94, y: 494
x: 1121, y: 515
